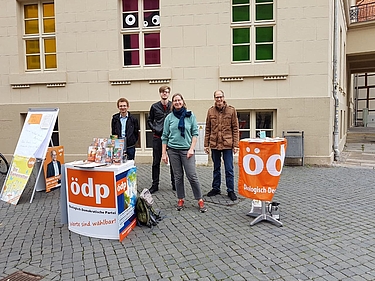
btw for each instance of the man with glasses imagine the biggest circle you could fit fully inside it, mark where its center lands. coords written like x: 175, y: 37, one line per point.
x: 157, y: 114
x: 53, y: 167
x: 221, y: 136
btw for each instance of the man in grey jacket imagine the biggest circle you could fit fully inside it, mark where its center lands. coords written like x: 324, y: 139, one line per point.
x: 157, y: 114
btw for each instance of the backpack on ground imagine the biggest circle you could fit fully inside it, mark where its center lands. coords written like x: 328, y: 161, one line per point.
x: 146, y: 214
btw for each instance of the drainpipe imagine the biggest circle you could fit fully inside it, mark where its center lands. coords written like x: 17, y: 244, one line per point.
x: 335, y: 85
x: 356, y: 100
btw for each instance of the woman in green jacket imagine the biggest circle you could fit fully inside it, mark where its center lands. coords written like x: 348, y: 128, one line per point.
x: 178, y: 140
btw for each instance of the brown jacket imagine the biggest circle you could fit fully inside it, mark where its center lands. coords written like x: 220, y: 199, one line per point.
x: 221, y: 128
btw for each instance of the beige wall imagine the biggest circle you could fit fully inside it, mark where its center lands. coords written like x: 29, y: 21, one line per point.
x: 361, y: 39
x: 80, y: 122
x: 195, y: 39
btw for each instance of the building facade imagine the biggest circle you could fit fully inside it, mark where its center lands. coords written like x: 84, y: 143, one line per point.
x: 276, y: 61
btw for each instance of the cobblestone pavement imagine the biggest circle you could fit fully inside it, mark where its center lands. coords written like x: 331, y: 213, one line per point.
x: 327, y: 235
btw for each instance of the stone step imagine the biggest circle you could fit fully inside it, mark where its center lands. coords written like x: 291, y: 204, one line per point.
x: 358, y: 138
x: 360, y: 135
x: 358, y: 155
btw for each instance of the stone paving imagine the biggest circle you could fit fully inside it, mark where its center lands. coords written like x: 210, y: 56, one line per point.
x: 327, y: 234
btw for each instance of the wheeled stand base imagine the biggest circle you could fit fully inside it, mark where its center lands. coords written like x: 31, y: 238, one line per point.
x: 262, y: 216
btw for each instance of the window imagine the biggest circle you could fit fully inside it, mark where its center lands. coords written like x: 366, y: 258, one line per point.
x: 55, y: 134
x: 138, y: 116
x: 141, y: 32
x: 145, y: 133
x: 149, y: 133
x: 253, y: 28
x: 39, y: 36
x: 251, y: 123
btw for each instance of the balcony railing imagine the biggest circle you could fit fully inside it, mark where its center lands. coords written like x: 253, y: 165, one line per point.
x: 362, y: 13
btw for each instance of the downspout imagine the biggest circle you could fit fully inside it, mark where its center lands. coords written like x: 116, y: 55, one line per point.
x: 335, y: 86
x: 356, y: 100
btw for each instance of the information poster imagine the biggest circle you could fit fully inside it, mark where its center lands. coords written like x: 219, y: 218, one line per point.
x: 32, y: 144
x: 52, y: 167
x: 260, y: 164
x: 126, y: 186
x: 36, y: 133
x: 17, y: 179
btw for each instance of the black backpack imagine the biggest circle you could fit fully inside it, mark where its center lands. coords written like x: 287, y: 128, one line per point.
x: 146, y: 214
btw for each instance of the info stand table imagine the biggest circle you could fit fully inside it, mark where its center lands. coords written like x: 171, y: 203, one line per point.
x: 101, y: 200
x: 260, y: 164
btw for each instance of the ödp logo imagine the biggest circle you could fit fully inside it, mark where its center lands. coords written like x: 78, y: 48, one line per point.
x: 121, y: 186
x: 89, y: 188
x: 97, y: 191
x: 258, y: 167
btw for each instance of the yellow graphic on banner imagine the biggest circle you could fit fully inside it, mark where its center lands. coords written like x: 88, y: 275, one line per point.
x: 18, y: 177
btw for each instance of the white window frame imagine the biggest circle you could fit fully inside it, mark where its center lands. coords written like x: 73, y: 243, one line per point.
x: 252, y: 116
x: 252, y: 24
x: 141, y: 31
x: 143, y: 131
x: 40, y: 36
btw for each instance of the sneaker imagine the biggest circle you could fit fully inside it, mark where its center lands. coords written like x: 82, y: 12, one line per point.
x: 201, y: 206
x: 232, y: 195
x: 153, y: 189
x: 180, y: 204
x: 213, y: 192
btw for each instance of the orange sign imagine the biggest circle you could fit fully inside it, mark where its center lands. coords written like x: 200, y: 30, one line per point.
x: 91, y: 188
x: 260, y: 164
x: 35, y: 118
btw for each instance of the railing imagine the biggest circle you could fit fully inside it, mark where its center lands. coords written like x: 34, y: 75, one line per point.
x: 362, y: 13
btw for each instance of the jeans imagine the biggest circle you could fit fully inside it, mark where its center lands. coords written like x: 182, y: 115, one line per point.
x: 179, y: 163
x: 156, y: 158
x: 227, y: 155
x: 130, y: 152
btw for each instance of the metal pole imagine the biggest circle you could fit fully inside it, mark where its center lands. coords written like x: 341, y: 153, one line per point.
x: 335, y: 86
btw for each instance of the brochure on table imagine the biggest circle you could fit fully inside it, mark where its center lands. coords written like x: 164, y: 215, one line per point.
x: 101, y: 200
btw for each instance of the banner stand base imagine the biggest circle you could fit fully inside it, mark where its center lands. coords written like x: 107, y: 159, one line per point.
x: 253, y: 214
x: 256, y: 209
x: 263, y: 216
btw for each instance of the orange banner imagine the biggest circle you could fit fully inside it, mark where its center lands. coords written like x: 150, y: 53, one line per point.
x: 260, y: 164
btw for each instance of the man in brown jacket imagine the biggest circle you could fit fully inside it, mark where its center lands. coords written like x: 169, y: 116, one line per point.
x: 221, y: 136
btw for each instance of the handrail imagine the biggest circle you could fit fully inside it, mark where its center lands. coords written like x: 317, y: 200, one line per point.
x: 362, y: 13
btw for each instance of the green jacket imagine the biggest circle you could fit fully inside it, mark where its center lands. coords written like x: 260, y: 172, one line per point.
x: 172, y: 135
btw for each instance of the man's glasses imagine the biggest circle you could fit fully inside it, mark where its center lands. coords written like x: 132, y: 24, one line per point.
x: 167, y: 92
x: 219, y: 97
